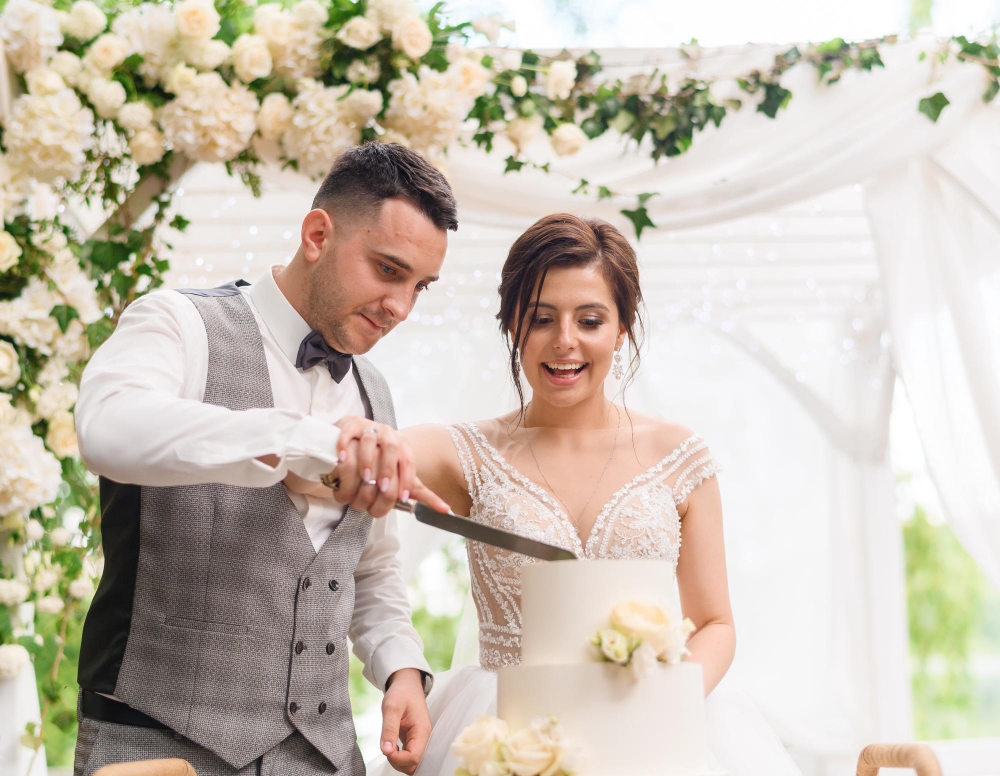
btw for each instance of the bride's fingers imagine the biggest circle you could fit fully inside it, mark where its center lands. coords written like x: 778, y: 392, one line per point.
x: 367, y: 453
x: 422, y: 493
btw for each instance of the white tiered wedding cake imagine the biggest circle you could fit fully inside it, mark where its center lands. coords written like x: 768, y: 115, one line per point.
x: 600, y: 653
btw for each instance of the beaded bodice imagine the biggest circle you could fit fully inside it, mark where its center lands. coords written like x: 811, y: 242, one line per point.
x: 640, y: 520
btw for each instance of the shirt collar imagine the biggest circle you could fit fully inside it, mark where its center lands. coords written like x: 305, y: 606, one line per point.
x: 283, y: 321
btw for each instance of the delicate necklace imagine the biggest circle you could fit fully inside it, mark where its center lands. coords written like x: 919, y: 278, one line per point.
x: 599, y: 479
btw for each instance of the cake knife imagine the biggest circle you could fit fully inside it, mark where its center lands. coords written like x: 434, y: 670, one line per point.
x: 470, y: 529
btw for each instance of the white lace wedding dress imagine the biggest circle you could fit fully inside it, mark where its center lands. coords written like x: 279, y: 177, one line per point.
x: 640, y: 520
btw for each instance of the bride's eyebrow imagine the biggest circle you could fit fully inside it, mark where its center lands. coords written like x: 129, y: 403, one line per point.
x: 588, y: 306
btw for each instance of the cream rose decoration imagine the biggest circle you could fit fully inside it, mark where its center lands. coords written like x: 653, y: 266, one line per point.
x: 648, y: 622
x: 320, y: 129
x: 151, y: 31
x: 568, y: 139
x: 541, y: 749
x: 61, y: 437
x: 275, y: 116
x: 479, y: 744
x: 613, y: 645
x: 10, y: 366
x: 642, y: 662
x: 146, y: 146
x: 470, y: 77
x: 105, y: 53
x: 560, y: 79
x: 359, y: 33
x: 309, y: 12
x: 361, y: 105
x: 413, y: 37
x: 10, y: 251
x: 251, y: 57
x: 85, y: 21
x: 196, y: 19
x: 29, y: 474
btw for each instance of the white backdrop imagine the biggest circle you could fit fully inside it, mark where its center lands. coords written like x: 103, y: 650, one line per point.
x: 768, y: 333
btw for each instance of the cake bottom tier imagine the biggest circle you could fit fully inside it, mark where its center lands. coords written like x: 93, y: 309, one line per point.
x: 623, y: 727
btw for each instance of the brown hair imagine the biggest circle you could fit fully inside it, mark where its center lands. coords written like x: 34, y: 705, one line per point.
x: 365, y: 175
x: 564, y: 240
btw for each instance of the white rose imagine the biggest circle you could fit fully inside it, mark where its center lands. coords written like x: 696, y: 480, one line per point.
x: 568, y: 139
x: 106, y: 96
x: 527, y: 753
x: 614, y: 645
x: 61, y: 437
x: 34, y: 530
x: 68, y: 65
x: 479, y: 744
x: 362, y: 105
x: 251, y: 58
x: 359, y: 33
x: 275, y: 116
x: 413, y: 37
x: 180, y: 78
x: 50, y: 604
x: 10, y: 251
x: 146, y: 146
x: 13, y: 660
x: 511, y: 60
x: 309, y: 12
x: 643, y: 661
x: 105, y: 53
x: 518, y: 86
x: 647, y: 622
x: 362, y: 72
x: 13, y: 592
x: 204, y: 54
x: 44, y: 580
x: 44, y: 81
x: 676, y: 647
x: 386, y: 14
x: 134, y: 116
x: 60, y: 536
x: 85, y: 21
x: 10, y: 366
x: 80, y: 588
x: 470, y: 76
x: 522, y: 130
x: 196, y: 19
x: 560, y: 79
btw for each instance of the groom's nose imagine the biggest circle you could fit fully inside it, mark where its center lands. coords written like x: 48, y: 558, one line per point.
x: 397, y: 305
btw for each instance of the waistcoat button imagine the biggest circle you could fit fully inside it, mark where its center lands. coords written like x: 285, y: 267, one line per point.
x: 330, y: 648
x: 293, y: 707
x: 299, y: 647
x: 322, y: 707
x: 334, y: 585
x: 306, y: 583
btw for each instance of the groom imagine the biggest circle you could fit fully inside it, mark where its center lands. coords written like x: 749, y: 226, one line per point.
x: 218, y: 633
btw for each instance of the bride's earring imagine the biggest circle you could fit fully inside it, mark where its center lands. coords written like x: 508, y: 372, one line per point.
x: 618, y: 370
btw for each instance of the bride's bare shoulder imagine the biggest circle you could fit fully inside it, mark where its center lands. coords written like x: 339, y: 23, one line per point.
x: 656, y: 437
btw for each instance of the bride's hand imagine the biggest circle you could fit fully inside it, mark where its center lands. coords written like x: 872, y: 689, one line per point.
x: 298, y: 484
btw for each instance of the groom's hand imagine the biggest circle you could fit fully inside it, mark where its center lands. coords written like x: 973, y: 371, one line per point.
x: 405, y: 717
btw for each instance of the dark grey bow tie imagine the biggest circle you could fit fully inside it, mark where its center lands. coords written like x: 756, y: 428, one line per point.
x: 314, y: 350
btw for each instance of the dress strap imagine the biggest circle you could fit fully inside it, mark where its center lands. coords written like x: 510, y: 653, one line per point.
x: 700, y: 466
x: 467, y: 459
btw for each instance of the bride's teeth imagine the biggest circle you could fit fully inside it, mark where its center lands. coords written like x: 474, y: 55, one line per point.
x: 561, y: 366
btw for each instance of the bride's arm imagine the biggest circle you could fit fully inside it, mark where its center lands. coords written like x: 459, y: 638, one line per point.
x: 704, y: 589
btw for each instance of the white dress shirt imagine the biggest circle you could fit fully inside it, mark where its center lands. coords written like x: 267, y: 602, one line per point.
x: 141, y: 420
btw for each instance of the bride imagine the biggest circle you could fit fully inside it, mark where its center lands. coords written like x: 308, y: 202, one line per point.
x: 575, y: 469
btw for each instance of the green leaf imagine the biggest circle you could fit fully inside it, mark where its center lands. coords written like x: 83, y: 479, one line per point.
x: 663, y: 125
x: 513, y: 165
x: 776, y: 97
x: 640, y: 220
x: 622, y: 121
x: 584, y: 184
x: 604, y: 192
x: 63, y: 315
x: 932, y: 106
x: 180, y: 223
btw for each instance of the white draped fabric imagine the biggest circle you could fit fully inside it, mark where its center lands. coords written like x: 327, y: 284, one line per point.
x: 776, y: 327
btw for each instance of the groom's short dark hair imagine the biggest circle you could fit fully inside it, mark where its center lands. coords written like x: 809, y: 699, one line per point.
x: 365, y: 175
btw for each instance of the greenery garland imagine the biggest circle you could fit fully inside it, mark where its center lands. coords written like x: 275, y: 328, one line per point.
x: 116, y: 99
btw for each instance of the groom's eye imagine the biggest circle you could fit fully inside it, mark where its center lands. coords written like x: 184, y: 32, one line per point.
x: 387, y: 270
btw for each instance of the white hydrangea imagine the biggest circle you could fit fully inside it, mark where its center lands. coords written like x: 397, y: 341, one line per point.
x: 149, y: 29
x: 13, y: 592
x: 428, y: 110
x: 293, y: 40
x: 56, y: 398
x: 13, y: 660
x: 72, y: 346
x: 30, y: 33
x: 68, y: 65
x: 320, y: 130
x: 106, y: 96
x: 77, y: 288
x: 46, y: 578
x: 80, y: 588
x: 27, y: 318
x: 211, y: 122
x: 386, y: 14
x: 50, y: 604
x: 135, y: 116
x: 29, y: 474
x: 146, y: 146
x: 85, y: 21
x: 361, y: 105
x: 48, y: 136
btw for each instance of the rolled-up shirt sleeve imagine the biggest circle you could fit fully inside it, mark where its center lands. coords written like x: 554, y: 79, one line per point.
x: 140, y: 418
x: 382, y: 630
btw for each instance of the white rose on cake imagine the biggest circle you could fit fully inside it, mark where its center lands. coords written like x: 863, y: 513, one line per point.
x: 196, y: 19
x: 412, y: 37
x: 647, y: 622
x: 478, y: 745
x: 642, y: 662
x: 613, y: 645
x: 538, y: 750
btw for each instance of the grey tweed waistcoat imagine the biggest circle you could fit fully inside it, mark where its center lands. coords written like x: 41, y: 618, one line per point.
x: 215, y: 614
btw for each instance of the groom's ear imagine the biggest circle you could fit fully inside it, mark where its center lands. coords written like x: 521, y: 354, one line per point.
x: 317, y: 233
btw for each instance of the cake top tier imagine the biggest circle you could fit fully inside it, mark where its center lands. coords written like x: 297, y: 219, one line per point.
x: 564, y: 603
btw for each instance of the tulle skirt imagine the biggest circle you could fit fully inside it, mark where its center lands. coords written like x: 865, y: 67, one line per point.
x: 740, y: 741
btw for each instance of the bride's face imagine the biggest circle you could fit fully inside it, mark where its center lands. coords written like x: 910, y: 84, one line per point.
x: 573, y: 338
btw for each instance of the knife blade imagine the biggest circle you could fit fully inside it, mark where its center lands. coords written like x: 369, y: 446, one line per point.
x: 470, y: 529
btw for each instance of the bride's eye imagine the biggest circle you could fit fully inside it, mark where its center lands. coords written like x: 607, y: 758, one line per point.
x: 592, y: 322
x: 542, y: 319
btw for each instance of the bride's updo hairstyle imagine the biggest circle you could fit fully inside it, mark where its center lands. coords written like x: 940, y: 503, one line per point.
x: 565, y: 240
